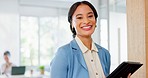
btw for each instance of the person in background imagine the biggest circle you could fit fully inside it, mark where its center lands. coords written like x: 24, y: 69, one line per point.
x: 82, y: 57
x: 7, y: 66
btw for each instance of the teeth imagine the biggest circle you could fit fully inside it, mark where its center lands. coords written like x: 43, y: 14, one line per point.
x: 87, y: 27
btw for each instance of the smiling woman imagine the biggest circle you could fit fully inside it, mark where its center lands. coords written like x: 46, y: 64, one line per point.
x: 82, y: 57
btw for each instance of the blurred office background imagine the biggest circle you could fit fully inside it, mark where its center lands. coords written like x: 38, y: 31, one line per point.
x: 32, y: 30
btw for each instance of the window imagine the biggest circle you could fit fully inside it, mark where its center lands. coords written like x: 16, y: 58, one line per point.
x: 113, y: 29
x: 29, y: 41
x: 40, y: 38
x: 43, y: 28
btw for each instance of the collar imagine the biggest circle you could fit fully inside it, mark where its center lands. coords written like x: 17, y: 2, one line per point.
x: 83, y: 48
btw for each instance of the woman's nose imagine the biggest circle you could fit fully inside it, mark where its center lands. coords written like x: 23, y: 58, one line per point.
x: 86, y: 20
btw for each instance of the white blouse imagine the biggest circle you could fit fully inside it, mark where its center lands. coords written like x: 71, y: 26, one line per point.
x: 92, y: 60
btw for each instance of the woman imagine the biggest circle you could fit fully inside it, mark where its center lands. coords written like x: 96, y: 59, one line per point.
x: 6, y: 67
x: 81, y: 58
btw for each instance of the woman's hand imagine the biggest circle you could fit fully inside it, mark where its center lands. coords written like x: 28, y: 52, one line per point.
x: 129, y: 75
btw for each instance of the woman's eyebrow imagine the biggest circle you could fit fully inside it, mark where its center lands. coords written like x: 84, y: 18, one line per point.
x: 78, y: 15
x: 81, y: 14
x: 90, y: 13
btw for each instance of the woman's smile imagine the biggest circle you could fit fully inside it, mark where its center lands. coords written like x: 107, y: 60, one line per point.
x: 86, y: 28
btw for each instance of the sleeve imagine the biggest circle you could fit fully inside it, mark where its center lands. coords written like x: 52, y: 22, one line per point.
x: 59, y: 65
x: 107, y: 61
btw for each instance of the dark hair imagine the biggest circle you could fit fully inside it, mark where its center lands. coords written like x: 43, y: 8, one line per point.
x: 7, y: 53
x: 72, y: 10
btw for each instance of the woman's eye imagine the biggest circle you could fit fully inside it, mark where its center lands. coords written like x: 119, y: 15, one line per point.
x: 90, y: 16
x: 79, y: 17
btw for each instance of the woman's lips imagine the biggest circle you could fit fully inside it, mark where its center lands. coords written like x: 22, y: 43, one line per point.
x: 86, y: 28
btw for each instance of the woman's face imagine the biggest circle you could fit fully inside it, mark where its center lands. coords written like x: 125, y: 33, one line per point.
x: 83, y: 20
x: 6, y: 57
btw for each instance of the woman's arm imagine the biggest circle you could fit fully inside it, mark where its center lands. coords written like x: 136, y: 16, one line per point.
x: 59, y: 65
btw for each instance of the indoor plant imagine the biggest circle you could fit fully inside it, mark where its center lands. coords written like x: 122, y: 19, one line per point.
x: 42, y: 68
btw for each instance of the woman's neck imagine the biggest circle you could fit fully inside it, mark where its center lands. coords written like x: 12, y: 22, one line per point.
x: 87, y: 41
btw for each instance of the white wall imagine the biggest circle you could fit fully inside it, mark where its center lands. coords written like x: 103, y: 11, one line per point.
x: 9, y: 29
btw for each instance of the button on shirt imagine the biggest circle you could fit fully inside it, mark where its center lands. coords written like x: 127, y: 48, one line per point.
x: 92, y: 60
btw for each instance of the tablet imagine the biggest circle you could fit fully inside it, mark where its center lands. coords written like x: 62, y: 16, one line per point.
x: 123, y: 70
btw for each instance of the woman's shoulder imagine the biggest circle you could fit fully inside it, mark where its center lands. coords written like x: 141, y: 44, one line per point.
x: 68, y: 46
x: 102, y: 48
x: 12, y: 64
x: 64, y: 50
x: 64, y: 47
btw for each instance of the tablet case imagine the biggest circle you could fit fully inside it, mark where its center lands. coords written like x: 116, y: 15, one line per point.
x: 123, y: 70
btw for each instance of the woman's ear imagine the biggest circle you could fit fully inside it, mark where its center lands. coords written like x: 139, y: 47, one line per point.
x: 73, y: 29
x: 72, y: 26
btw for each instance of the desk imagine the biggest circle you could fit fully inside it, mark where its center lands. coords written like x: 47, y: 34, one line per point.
x: 27, y: 74
x: 23, y: 76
